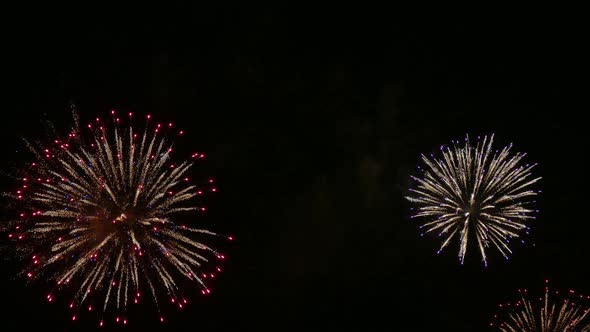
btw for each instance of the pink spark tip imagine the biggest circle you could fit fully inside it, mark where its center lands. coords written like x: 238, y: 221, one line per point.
x: 117, y: 319
x: 101, y: 323
x: 149, y: 116
x: 161, y: 319
x: 180, y: 132
x: 125, y: 321
x: 74, y: 317
x: 231, y: 238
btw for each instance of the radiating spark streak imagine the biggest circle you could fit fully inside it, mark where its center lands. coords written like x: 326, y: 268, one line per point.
x: 472, y: 191
x: 126, y: 287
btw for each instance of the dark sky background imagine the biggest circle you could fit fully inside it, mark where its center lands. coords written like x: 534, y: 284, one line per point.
x: 313, y: 121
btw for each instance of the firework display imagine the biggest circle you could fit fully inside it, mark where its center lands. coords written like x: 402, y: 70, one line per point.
x: 106, y: 216
x: 551, y: 312
x: 474, y: 192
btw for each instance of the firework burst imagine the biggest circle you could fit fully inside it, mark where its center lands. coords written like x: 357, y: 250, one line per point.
x: 551, y: 312
x: 474, y: 191
x: 101, y: 216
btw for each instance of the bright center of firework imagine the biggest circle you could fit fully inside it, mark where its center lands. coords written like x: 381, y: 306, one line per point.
x: 470, y: 211
x: 472, y: 208
x: 127, y: 217
x: 120, y: 218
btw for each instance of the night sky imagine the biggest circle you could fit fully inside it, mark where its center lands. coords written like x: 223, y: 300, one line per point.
x: 313, y: 121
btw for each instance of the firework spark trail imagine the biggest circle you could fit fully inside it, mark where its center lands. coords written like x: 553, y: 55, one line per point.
x: 473, y: 191
x: 101, y: 211
x: 545, y: 314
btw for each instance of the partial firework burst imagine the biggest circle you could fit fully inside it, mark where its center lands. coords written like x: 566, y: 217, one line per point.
x: 474, y: 190
x: 101, y: 216
x: 551, y: 312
